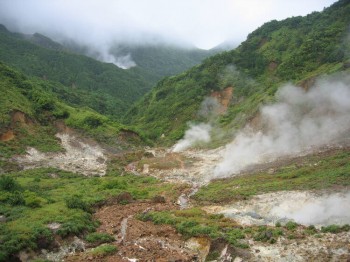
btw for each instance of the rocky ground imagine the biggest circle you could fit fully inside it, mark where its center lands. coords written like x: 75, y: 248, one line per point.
x: 79, y: 156
x: 137, y: 240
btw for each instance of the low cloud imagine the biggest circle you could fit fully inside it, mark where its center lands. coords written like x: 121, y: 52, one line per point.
x: 96, y: 23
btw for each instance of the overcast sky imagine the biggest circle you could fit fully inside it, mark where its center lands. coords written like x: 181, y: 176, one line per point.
x: 203, y: 23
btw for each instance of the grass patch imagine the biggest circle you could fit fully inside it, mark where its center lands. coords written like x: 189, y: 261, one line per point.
x: 333, y: 170
x: 104, y: 250
x: 99, y: 238
x: 335, y: 229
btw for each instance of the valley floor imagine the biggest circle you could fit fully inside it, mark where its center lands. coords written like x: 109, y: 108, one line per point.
x: 291, y: 209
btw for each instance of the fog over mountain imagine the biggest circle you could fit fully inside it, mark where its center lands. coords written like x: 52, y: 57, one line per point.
x: 99, y: 24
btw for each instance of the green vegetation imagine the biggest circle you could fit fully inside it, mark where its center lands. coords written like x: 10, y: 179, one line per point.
x: 70, y: 90
x: 291, y: 225
x: 296, y: 49
x: 99, y: 238
x: 195, y: 222
x: 335, y: 229
x: 29, y: 109
x: 104, y: 250
x: 31, y: 200
x: 83, y: 81
x: 332, y: 170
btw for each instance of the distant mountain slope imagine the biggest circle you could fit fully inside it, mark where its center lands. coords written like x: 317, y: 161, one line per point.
x: 162, y: 60
x: 104, y: 87
x: 113, y: 88
x: 296, y: 49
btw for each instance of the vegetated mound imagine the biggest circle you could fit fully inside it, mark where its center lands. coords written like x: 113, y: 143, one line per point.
x: 295, y: 49
x: 31, y: 114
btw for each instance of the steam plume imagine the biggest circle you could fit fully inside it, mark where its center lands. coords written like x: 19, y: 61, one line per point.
x: 300, y: 120
x: 196, y: 133
x: 324, y: 210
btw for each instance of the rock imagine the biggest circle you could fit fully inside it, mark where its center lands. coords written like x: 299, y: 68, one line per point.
x: 145, y: 170
x: 149, y: 153
x: 199, y: 245
x: 238, y: 259
x: 54, y: 226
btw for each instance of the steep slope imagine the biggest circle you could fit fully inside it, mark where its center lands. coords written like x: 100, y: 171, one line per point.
x: 296, y: 49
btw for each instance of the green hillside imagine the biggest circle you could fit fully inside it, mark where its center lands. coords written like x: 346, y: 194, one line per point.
x: 295, y: 49
x: 29, y: 110
x: 104, y: 87
x: 162, y: 60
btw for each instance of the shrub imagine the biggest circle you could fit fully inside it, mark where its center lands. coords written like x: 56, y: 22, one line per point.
x: 32, y: 200
x: 311, y: 230
x: 104, y: 250
x: 335, y: 229
x: 93, y: 121
x: 277, y: 232
x: 263, y: 235
x: 76, y: 202
x: 15, y: 199
x: 77, y: 225
x: 7, y: 183
x: 99, y: 238
x: 234, y: 235
x: 291, y: 225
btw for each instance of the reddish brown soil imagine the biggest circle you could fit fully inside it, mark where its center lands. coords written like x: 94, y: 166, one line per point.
x: 144, y: 241
x: 224, y: 98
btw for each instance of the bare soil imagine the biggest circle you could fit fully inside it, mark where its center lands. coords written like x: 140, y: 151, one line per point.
x: 136, y: 239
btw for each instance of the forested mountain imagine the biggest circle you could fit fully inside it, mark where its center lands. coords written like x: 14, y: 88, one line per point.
x: 296, y: 49
x: 104, y: 87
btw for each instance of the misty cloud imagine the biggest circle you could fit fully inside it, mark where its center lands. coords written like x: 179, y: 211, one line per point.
x: 204, y: 23
x: 298, y: 121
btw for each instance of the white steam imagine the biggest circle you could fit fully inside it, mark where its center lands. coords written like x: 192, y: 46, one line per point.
x: 299, y: 121
x: 104, y: 54
x: 304, y: 207
x: 196, y: 134
x: 323, y: 210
